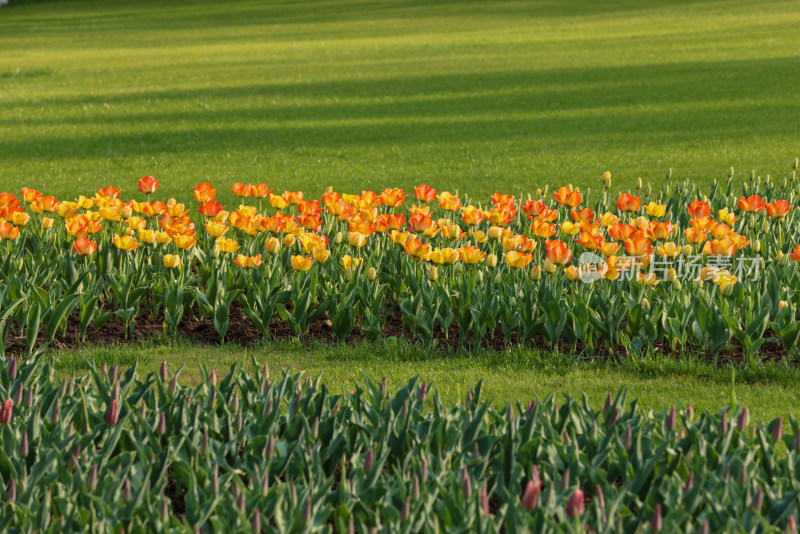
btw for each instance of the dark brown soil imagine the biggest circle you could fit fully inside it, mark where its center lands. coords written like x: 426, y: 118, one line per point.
x: 200, y: 329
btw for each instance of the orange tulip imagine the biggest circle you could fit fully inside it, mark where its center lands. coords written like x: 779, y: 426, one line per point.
x: 638, y: 244
x: 301, y: 263
x: 719, y: 247
x: 568, y: 197
x: 293, y: 197
x: 278, y: 201
x: 660, y: 231
x: 241, y: 190
x: 125, y: 243
x: 621, y: 232
x: 795, y: 255
x: 778, y: 209
x: 247, y: 262
x: 399, y: 237
x: 558, y: 252
x: 589, y: 241
x: 693, y: 235
x: 148, y: 185
x: 423, y: 193
x: 654, y: 209
x: 84, y: 247
x: 609, y: 249
x: 260, y: 191
x: 44, y: 204
x: 698, y: 209
x: 517, y: 260
x: 416, y: 248
x: 543, y: 229
x: 448, y: 201
x: 471, y: 215
x: 393, y: 198
x: 204, y: 192
x: 751, y: 204
x: 321, y: 254
x: 628, y: 203
x: 8, y: 231
x: 533, y: 208
x: 726, y: 216
x: 586, y: 214
x: 227, y: 245
x: 472, y: 254
x: 109, y: 192
x: 29, y: 195
x: 184, y: 242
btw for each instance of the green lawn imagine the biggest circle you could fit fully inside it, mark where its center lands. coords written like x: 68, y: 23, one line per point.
x: 469, y: 95
x: 514, y: 376
x: 466, y: 95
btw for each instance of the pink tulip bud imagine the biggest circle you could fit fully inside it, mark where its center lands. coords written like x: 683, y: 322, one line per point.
x: 92, y: 482
x: 466, y: 483
x: 777, y: 429
x: 23, y: 444
x: 265, y: 371
x: 162, y: 372
x: 240, y: 504
x: 758, y: 500
x: 531, y: 407
x: 706, y: 528
x: 173, y: 384
x: 265, y: 483
x: 564, y: 480
x: 627, y: 438
x: 105, y: 368
x: 671, y: 419
x: 212, y: 398
x: 469, y: 399
x: 115, y: 391
x: 655, y: 521
x: 164, y: 510
x: 484, y: 499
x: 6, y: 411
x: 12, y: 368
x: 270, y: 447
x: 689, y: 483
x: 744, y: 418
x: 415, y: 491
x: 601, y: 501
x: 424, y: 463
x: 791, y: 525
x: 126, y: 489
x: 422, y: 392
x: 255, y: 524
x: 369, y: 460
x: 112, y: 415
x: 161, y: 427
x: 613, y: 417
x: 575, y: 504
x: 530, y: 496
x: 406, y: 512
x: 54, y: 412
x: 212, y: 378
x: 723, y: 423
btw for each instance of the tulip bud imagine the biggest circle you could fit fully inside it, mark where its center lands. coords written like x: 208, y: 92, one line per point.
x: 406, y: 512
x: 782, y: 304
x: 565, y: 477
x: 7, y: 411
x: 29, y: 397
x: 54, y: 412
x: 161, y: 427
x: 338, y: 238
x: 689, y: 483
x: 686, y: 250
x: 723, y: 423
x: 690, y: 412
x: 12, y: 367
x: 613, y: 417
x: 757, y: 246
x: 468, y: 400
x: 11, y: 492
x: 307, y: 512
x: 530, y: 496
x: 484, y: 500
x: 758, y: 500
x: 575, y: 504
x: 23, y: 444
x: 370, y: 459
x: 536, y: 273
x: 126, y: 489
x: 671, y: 419
x: 655, y: 521
x: 645, y: 303
x: 777, y: 429
x: 639, y: 183
x: 422, y: 393
x: 466, y: 483
x: 433, y: 273
x: 289, y: 240
x: 372, y: 274
x: 549, y: 267
x: 606, y: 178
x: 491, y: 261
x: 627, y: 438
x: 765, y: 226
x: 744, y: 418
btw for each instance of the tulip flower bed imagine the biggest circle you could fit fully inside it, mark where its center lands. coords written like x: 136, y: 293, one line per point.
x: 676, y: 269
x: 111, y: 450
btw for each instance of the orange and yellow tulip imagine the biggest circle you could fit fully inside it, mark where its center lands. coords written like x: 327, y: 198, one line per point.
x: 301, y: 263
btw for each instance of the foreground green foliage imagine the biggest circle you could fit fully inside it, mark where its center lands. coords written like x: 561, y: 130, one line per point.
x: 246, y: 452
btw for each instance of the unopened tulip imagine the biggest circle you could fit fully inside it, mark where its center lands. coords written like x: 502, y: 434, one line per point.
x: 6, y: 411
x: 575, y: 504
x: 777, y: 429
x: 112, y: 415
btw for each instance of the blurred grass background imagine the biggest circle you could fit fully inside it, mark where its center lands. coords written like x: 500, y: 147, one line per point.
x: 469, y: 95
